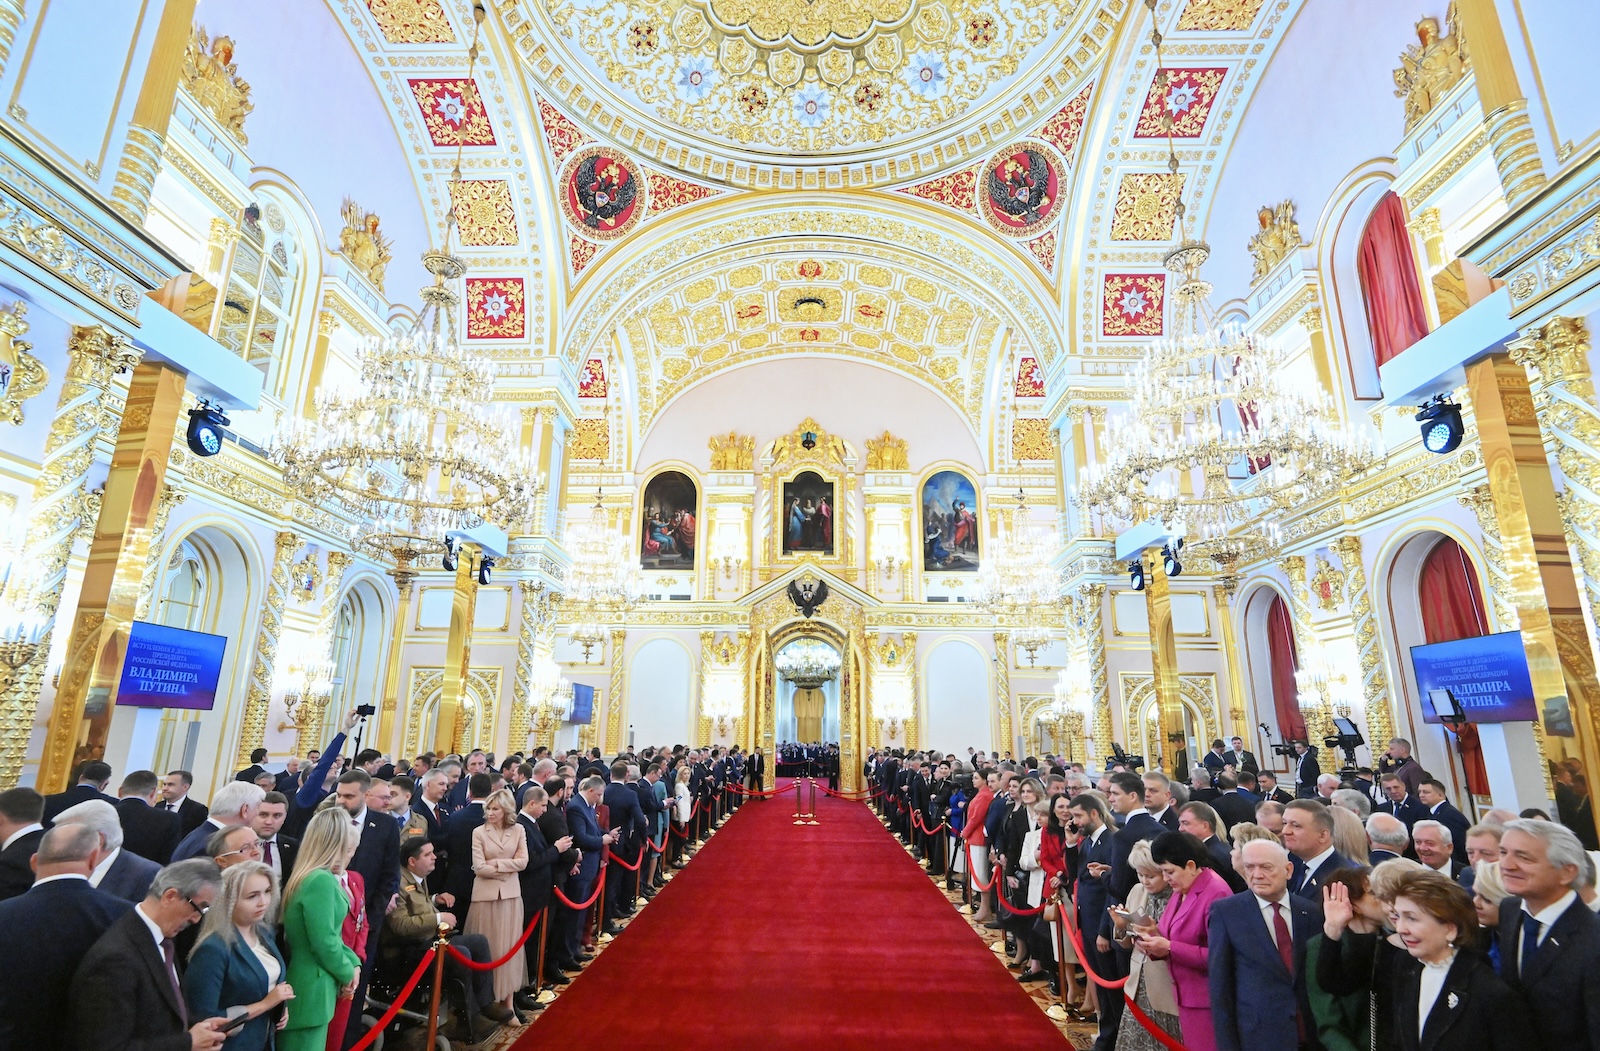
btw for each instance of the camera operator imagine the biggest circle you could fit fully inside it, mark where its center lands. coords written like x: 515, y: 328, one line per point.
x: 1397, y: 760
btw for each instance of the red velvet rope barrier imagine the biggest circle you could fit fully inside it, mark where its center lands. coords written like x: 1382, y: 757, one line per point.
x: 859, y: 797
x: 631, y: 868
x: 916, y: 819
x: 399, y: 1003
x: 600, y: 885
x: 1151, y: 1026
x: 469, y: 962
x: 1083, y: 958
x: 994, y: 877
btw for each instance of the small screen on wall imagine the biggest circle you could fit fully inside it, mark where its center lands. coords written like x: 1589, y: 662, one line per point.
x: 170, y: 668
x: 582, y: 703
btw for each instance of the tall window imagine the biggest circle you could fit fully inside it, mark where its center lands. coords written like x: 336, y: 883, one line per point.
x: 183, y: 596
x: 343, y: 665
x: 1390, y: 289
x: 256, y: 273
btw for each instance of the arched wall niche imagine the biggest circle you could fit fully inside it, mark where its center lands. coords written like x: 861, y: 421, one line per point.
x: 1257, y: 667
x: 1338, y: 240
x: 363, y: 634
x: 957, y: 703
x: 661, y: 693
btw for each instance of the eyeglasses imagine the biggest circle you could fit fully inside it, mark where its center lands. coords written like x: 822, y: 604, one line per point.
x: 249, y: 850
x: 199, y: 910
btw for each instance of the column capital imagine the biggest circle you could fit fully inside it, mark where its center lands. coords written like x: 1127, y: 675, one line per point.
x: 1558, y: 350
x: 97, y: 354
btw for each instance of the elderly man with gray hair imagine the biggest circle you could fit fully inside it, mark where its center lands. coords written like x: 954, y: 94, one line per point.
x: 1353, y: 800
x: 234, y: 804
x: 120, y: 873
x: 1549, y: 941
x: 126, y: 993
x: 1388, y: 836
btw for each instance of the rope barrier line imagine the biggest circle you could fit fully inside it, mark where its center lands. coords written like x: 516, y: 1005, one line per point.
x: 994, y: 877
x: 578, y: 906
x: 399, y: 1003
x: 470, y: 963
x: 631, y: 868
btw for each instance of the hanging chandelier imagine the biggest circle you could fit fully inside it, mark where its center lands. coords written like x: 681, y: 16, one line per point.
x: 415, y: 448
x: 602, y: 582
x: 892, y: 702
x: 1222, y: 435
x: 808, y: 664
x: 1018, y: 580
x: 549, y: 695
x: 1321, y: 685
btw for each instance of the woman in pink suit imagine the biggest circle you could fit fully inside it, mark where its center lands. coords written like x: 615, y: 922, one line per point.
x: 1180, y: 937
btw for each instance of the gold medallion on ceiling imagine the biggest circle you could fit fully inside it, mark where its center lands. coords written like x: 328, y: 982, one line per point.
x: 603, y: 192
x: 1020, y: 188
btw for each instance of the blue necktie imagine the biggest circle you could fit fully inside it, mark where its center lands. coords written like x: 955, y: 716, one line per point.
x: 1530, y: 943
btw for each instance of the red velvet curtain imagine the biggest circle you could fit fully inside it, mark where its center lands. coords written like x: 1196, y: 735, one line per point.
x: 1396, y: 317
x: 1285, y: 659
x: 1452, y: 608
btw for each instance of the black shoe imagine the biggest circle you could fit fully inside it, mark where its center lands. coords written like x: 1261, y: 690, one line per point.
x: 557, y: 978
x: 1033, y: 976
x: 613, y: 929
x: 497, y: 1013
x: 523, y: 1002
x: 994, y: 925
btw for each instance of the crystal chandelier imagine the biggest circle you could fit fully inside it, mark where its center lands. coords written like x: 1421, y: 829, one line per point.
x: 602, y: 582
x: 724, y: 701
x: 808, y: 664
x: 892, y: 702
x: 305, y: 676
x: 1320, y: 686
x: 1071, y: 699
x: 549, y: 695
x: 1211, y: 406
x: 1017, y: 579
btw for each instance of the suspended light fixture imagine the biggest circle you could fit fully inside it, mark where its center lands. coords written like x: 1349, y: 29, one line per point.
x: 808, y: 664
x: 602, y: 582
x: 1018, y: 580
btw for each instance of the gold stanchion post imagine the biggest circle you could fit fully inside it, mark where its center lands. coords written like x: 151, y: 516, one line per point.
x: 439, y: 947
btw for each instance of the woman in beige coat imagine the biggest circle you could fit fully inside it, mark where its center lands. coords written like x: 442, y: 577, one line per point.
x: 499, y: 853
x: 1150, y: 980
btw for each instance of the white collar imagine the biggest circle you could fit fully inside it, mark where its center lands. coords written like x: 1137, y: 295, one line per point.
x: 1551, y: 913
x: 155, y: 932
x: 101, y: 869
x: 1157, y: 814
x: 175, y: 803
x: 1445, y: 868
x: 1316, y: 863
x: 1435, y: 808
x: 19, y: 833
x: 1266, y: 903
x: 360, y: 816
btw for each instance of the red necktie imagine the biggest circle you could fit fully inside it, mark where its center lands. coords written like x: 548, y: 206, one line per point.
x: 1280, y: 930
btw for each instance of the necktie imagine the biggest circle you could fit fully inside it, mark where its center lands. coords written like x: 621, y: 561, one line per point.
x: 1530, y: 943
x: 169, y: 954
x: 266, y: 851
x: 1280, y: 931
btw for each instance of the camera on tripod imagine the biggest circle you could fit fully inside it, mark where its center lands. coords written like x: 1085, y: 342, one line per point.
x: 1284, y: 748
x: 1121, y: 758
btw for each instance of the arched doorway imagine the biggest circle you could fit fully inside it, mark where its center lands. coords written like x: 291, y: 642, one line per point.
x: 1271, y: 656
x: 808, y: 693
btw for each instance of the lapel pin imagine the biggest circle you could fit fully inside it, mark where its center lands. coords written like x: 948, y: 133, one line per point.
x: 1452, y: 1000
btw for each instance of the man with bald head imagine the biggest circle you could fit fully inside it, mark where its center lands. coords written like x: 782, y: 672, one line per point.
x: 1387, y: 836
x: 1257, y: 957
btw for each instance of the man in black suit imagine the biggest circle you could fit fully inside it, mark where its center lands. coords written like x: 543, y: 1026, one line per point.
x: 278, y: 851
x: 377, y: 859
x: 1388, y: 838
x: 476, y: 763
x: 458, y: 830
x: 1126, y: 796
x: 120, y: 872
x: 1094, y: 868
x: 93, y: 777
x: 1201, y: 821
x: 1158, y: 800
x: 536, y: 880
x: 755, y: 773
x: 622, y: 802
x: 20, y: 833
x: 51, y: 927
x: 1306, y: 770
x: 255, y: 769
x: 1257, y: 957
x: 1549, y: 940
x: 148, y: 832
x: 1241, y: 759
x: 553, y: 826
x: 1267, y: 782
x: 1399, y: 802
x: 1230, y: 806
x: 1431, y: 794
x: 650, y: 874
x: 1308, y: 836
x: 1435, y: 848
x: 125, y: 994
x: 289, y: 781
x: 175, y: 799
x: 233, y: 804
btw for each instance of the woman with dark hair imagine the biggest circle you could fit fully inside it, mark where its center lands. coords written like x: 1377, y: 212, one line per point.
x: 1181, y: 936
x: 1349, y: 962
x: 1447, y: 997
x: 1019, y: 821
x: 1344, y: 1022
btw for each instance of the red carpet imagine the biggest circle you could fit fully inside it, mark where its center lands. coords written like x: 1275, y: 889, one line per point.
x: 780, y: 936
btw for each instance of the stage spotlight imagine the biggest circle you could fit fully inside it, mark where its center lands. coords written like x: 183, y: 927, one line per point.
x: 206, y: 431
x: 485, y: 564
x: 1169, y: 558
x: 1442, y: 429
x: 1136, y: 574
x: 449, y: 559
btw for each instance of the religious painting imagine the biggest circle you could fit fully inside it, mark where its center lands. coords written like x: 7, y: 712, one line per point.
x: 809, y: 513
x: 1020, y: 191
x: 949, y: 523
x: 667, y: 533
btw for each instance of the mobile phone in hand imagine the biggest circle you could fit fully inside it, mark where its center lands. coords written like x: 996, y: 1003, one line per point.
x: 235, y: 1022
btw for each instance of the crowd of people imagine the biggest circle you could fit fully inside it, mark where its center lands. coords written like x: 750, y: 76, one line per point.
x: 1357, y: 910
x: 291, y: 910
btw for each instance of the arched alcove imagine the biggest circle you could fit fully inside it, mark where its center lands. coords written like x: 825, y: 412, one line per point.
x: 957, y: 699
x: 1270, y: 658
x: 661, y: 688
x: 361, y: 634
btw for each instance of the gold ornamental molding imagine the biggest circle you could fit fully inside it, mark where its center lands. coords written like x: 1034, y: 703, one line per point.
x: 21, y: 374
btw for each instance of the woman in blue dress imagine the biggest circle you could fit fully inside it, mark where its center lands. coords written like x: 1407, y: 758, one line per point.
x: 797, y: 521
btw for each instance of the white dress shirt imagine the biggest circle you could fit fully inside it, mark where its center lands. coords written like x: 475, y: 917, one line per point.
x: 276, y: 864
x: 1431, y: 985
x: 1266, y: 904
x: 1547, y: 917
x: 155, y: 932
x: 19, y: 833
x: 1314, y: 864
x: 101, y: 869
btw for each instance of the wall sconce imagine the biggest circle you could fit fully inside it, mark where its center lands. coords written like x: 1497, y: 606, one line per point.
x: 891, y: 552
x: 727, y: 551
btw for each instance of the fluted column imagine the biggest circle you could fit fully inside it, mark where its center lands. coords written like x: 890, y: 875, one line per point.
x: 171, y: 496
x: 62, y: 506
x: 258, y: 694
x: 527, y: 652
x: 1369, y: 647
x: 390, y: 724
x: 1238, y: 720
x: 1002, y: 689
x: 152, y: 112
x: 11, y: 15
x: 1319, y: 724
x: 1505, y: 109
x: 1092, y: 597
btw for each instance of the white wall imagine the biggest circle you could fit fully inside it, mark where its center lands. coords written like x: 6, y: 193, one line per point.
x: 661, y: 694
x: 956, y: 698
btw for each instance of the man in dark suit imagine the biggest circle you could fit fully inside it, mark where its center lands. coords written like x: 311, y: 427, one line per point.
x: 1388, y: 838
x: 278, y: 851
x: 234, y: 804
x: 536, y: 880
x: 1435, y: 848
x: 93, y: 777
x: 377, y: 859
x: 1213, y: 761
x: 175, y: 799
x: 1267, y: 782
x: 1306, y: 770
x: 755, y: 773
x: 119, y: 872
x: 20, y: 833
x: 51, y: 927
x: 583, y: 824
x: 1158, y: 800
x: 649, y: 875
x: 1549, y: 940
x: 1431, y: 794
x: 255, y: 769
x: 1399, y: 802
x: 1094, y: 867
x: 627, y: 816
x: 1257, y: 958
x: 458, y: 829
x: 1242, y: 760
x: 1308, y: 836
x: 1126, y: 797
x: 148, y: 832
x: 476, y: 763
x: 553, y: 826
x: 1201, y: 821
x: 289, y: 781
x: 1231, y: 806
x: 125, y: 994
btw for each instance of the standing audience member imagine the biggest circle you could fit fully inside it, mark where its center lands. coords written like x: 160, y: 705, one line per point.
x: 1388, y: 838
x: 93, y: 777
x: 277, y: 849
x: 1343, y: 1022
x: 536, y: 880
x: 1487, y: 894
x: 235, y: 967
x: 1181, y: 936
x: 233, y: 804
x: 175, y: 800
x: 1150, y: 979
x: 1349, y: 835
x: 316, y: 901
x: 1095, y: 851
x: 125, y: 995
x: 458, y: 831
x: 1435, y: 800
x: 146, y: 830
x: 1434, y: 846
x: 1308, y: 836
x: 20, y: 833
x: 499, y: 854
x: 120, y: 873
x: 50, y: 927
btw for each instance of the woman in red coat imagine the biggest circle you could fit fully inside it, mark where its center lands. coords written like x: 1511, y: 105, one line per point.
x: 354, y: 935
x: 976, y: 841
x: 1054, y: 843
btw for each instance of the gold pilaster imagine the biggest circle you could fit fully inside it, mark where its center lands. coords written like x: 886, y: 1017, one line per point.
x: 327, y: 324
x: 1164, y: 661
x: 1092, y: 603
x: 1238, y: 719
x: 1322, y: 356
x: 1369, y: 647
x: 258, y: 694
x: 1319, y: 724
x: 458, y: 649
x: 908, y: 648
x: 1502, y: 606
x: 390, y: 724
x: 80, y: 719
x: 1516, y: 154
x: 171, y: 496
x: 27, y: 376
x: 11, y: 15
x: 1544, y: 583
x: 616, y: 703
x: 152, y: 112
x: 527, y: 652
x: 708, y: 664
x: 1002, y: 689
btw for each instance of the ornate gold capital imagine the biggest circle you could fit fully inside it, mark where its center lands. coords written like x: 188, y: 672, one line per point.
x: 1557, y: 350
x: 27, y: 375
x: 1311, y: 320
x: 327, y: 322
x: 95, y: 355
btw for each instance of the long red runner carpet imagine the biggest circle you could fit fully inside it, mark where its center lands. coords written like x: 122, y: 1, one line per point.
x: 779, y: 936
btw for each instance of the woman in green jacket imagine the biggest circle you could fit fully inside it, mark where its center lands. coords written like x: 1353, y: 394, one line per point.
x: 321, y: 968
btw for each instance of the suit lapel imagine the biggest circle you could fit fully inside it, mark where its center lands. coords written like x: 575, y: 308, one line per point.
x: 1552, y: 946
x: 1255, y: 922
x: 1450, y: 1006
x: 150, y: 953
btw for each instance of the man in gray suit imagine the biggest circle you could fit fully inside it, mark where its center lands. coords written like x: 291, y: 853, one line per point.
x: 120, y: 873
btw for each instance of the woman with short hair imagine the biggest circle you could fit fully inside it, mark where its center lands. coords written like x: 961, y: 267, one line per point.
x: 1182, y: 936
x: 1150, y: 979
x: 1488, y: 891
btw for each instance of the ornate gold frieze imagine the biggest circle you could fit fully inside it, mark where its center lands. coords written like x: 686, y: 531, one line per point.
x: 41, y: 238
x: 21, y: 374
x: 1430, y: 67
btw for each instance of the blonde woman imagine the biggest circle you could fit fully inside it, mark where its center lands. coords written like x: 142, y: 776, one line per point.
x: 235, y: 967
x: 322, y: 969
x: 1350, y: 835
x: 682, y: 807
x: 1242, y: 833
x: 1150, y: 980
x: 499, y: 853
x: 1488, y: 890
